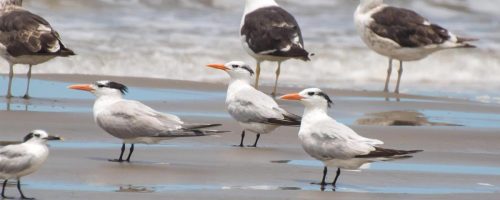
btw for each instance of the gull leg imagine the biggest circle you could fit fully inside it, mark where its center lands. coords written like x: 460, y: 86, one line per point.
x: 242, y: 138
x: 336, y: 178
x: 256, y: 140
x: 11, y: 75
x: 3, y: 190
x: 257, y: 75
x: 387, y: 79
x: 26, y: 96
x: 130, y: 152
x: 278, y: 71
x: 20, y: 191
x: 400, y: 73
x: 121, y: 155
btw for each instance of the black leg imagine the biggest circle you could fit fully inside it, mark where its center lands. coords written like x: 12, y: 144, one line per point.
x: 325, y: 171
x: 3, y: 190
x: 20, y: 191
x: 121, y: 155
x: 130, y: 153
x: 336, y: 177
x: 242, y: 138
x: 256, y: 140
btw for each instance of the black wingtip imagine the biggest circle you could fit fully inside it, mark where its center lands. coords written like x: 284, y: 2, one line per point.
x: 67, y: 52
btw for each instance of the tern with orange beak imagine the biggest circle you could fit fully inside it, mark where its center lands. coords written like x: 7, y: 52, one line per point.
x: 332, y: 142
x: 253, y: 110
x: 134, y: 122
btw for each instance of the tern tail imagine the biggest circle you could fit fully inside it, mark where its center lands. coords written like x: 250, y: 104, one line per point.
x: 389, y: 153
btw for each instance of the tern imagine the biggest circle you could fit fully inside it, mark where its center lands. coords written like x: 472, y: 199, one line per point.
x: 26, y: 38
x: 270, y: 33
x: 253, y: 110
x: 332, y: 142
x: 19, y: 160
x: 402, y: 34
x: 134, y: 122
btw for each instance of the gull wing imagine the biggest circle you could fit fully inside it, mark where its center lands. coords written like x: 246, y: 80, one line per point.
x: 25, y: 33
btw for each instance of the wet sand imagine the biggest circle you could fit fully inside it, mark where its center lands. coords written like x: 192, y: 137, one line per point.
x: 459, y: 162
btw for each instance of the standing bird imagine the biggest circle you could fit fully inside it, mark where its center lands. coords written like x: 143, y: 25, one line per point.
x: 26, y: 38
x: 333, y: 143
x: 19, y: 160
x: 255, y: 111
x: 270, y: 33
x: 401, y: 34
x: 134, y: 122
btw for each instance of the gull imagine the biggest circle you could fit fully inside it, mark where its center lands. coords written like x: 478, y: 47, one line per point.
x: 19, y: 160
x: 133, y: 122
x: 332, y: 142
x: 402, y: 34
x: 26, y: 38
x: 269, y: 33
x: 253, y: 110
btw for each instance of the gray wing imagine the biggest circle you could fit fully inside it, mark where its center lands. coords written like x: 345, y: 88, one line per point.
x: 14, y: 159
x: 407, y: 28
x: 131, y: 119
x: 254, y: 106
x: 24, y: 33
x: 335, y: 140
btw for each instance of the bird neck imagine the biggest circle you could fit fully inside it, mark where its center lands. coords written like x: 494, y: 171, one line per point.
x: 4, y: 3
x: 313, y: 110
x: 238, y: 84
x: 103, y: 101
x: 252, y: 5
x: 367, y: 5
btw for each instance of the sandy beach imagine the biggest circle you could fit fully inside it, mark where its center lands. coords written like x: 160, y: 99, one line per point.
x: 459, y: 139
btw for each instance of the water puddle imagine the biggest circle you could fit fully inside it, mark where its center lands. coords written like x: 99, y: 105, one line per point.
x: 469, y: 119
x: 48, y: 94
x: 409, y: 167
x: 59, y: 90
x: 163, y: 188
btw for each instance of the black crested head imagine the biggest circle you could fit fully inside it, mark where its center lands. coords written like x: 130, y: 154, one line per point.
x: 123, y: 89
x: 246, y: 67
x: 327, y: 98
x: 28, y: 137
x: 111, y: 84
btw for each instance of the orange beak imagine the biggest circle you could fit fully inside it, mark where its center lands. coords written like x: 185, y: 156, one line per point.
x: 218, y: 66
x: 84, y: 87
x: 294, y: 97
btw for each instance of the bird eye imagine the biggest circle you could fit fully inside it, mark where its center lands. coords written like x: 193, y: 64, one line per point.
x: 36, y: 135
x: 235, y: 66
x: 100, y: 86
x: 310, y: 93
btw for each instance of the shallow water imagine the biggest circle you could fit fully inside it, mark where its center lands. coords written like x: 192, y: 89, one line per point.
x: 163, y: 188
x: 410, y: 167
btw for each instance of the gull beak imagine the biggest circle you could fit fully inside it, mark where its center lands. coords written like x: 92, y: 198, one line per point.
x: 84, y: 87
x: 50, y: 137
x: 294, y: 97
x: 218, y: 66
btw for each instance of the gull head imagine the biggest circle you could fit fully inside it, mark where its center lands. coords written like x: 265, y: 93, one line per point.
x: 237, y: 70
x: 102, y: 88
x: 311, y: 97
x: 40, y: 136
